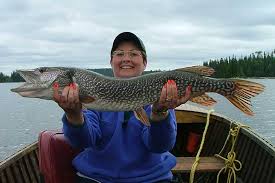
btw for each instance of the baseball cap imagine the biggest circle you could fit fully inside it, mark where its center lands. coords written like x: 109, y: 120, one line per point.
x: 131, y: 37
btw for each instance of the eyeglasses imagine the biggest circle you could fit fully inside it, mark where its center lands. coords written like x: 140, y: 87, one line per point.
x: 132, y: 54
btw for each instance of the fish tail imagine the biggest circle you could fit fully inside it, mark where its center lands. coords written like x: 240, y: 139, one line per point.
x: 243, y: 92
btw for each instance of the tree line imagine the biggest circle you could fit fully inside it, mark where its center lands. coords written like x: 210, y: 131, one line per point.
x: 258, y: 64
x: 15, y: 77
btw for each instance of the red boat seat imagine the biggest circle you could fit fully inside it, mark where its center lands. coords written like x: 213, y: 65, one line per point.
x: 55, y: 158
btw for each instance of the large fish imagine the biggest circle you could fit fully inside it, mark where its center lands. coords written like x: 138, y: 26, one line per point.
x: 103, y: 93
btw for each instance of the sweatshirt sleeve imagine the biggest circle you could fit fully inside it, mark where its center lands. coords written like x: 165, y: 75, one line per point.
x: 86, y: 135
x: 161, y: 136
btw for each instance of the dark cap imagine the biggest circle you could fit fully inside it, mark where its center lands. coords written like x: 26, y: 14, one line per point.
x: 128, y: 37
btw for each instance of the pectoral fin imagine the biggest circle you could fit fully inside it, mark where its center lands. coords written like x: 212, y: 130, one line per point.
x: 141, y: 115
x: 86, y: 99
x: 204, y: 100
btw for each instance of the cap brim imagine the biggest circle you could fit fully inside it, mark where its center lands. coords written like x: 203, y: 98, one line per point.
x: 128, y: 37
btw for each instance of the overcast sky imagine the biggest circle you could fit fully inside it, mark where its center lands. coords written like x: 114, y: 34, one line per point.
x: 176, y: 33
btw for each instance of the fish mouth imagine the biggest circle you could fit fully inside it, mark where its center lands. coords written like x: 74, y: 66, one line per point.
x: 32, y: 84
x: 28, y: 75
x: 28, y: 87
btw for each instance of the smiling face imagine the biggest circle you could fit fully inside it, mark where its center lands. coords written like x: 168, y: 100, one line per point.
x: 127, y: 61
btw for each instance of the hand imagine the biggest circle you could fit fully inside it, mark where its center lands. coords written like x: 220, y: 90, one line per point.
x: 69, y: 102
x: 169, y: 97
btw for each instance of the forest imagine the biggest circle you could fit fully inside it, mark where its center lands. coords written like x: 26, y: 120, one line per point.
x: 258, y: 64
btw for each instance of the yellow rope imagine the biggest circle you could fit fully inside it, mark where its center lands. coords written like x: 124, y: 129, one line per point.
x: 231, y: 164
x: 195, y: 164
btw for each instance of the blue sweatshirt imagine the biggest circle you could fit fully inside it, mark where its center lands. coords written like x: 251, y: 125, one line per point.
x: 115, y: 151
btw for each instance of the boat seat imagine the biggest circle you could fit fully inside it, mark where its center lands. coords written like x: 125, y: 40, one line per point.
x: 55, y: 158
x: 206, y: 164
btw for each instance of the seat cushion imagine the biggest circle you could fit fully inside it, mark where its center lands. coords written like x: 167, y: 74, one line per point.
x: 55, y: 158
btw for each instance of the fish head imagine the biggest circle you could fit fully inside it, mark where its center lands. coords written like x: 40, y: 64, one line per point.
x: 39, y: 82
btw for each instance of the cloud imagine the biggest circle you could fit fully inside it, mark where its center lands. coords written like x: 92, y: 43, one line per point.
x: 176, y: 33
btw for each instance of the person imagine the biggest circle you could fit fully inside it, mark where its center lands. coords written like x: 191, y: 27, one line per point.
x: 117, y: 147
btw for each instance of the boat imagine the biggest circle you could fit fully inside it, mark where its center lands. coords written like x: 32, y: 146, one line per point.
x: 210, y: 147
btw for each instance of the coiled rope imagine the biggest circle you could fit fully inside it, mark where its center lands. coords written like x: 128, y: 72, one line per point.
x: 196, y: 162
x: 231, y: 163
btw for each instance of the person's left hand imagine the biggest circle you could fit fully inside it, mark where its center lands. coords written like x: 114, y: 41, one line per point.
x: 169, y: 97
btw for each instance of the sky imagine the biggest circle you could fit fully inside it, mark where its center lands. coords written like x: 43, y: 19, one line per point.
x: 176, y: 33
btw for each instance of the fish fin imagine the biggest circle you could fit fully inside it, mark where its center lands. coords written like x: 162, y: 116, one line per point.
x: 244, y: 90
x: 201, y: 70
x: 204, y: 100
x: 141, y: 115
x: 86, y: 99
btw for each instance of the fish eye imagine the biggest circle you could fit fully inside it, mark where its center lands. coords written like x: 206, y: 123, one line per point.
x: 41, y: 70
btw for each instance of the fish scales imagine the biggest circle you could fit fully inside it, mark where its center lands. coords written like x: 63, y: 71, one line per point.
x: 132, y: 93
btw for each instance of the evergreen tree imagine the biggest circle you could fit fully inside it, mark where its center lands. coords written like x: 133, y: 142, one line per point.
x: 15, y: 77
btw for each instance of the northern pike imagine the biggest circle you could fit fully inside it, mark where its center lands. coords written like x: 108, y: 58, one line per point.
x: 99, y: 92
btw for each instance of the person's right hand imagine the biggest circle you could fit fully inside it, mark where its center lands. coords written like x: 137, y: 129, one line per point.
x: 69, y: 102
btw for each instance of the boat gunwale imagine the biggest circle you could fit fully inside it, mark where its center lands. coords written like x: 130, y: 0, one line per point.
x: 18, y: 155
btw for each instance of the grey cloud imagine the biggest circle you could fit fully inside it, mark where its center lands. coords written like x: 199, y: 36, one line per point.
x: 176, y: 33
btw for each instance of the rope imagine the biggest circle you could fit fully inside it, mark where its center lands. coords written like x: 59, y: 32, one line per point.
x: 231, y: 164
x: 196, y: 162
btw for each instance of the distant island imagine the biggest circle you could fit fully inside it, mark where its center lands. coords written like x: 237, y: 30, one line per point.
x: 259, y: 64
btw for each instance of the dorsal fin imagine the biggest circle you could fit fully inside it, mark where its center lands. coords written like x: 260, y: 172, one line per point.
x: 201, y: 70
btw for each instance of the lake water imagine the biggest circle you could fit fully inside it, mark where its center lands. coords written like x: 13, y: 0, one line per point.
x: 21, y: 119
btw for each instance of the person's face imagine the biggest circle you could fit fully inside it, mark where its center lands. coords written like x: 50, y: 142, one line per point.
x: 127, y: 61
